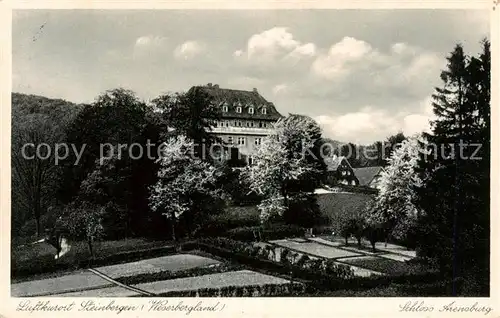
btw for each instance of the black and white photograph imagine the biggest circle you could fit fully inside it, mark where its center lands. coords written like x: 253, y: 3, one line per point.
x: 251, y: 153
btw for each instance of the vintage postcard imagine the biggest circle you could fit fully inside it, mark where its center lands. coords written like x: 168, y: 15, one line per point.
x: 251, y: 159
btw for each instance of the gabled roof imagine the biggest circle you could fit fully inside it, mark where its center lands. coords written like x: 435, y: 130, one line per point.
x: 233, y: 98
x: 333, y: 163
x: 365, y: 175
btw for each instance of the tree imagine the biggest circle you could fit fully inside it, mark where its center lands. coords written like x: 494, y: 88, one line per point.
x: 454, y: 195
x: 37, y: 123
x: 185, y: 185
x: 83, y: 220
x: 118, y: 118
x: 190, y: 114
x: 283, y: 166
x: 394, y: 202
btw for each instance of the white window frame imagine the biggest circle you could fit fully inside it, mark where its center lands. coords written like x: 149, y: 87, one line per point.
x: 258, y: 141
x: 250, y: 110
x: 241, y: 141
x: 224, y: 108
x: 230, y: 140
x: 238, y: 109
x: 264, y: 110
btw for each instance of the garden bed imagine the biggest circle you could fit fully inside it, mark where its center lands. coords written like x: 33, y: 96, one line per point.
x: 387, y: 266
x: 210, y: 284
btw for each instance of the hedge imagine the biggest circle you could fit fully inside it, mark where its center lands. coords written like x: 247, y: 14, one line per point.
x: 317, y: 273
x: 267, y: 290
x: 165, y: 275
x: 272, y: 232
x: 256, y: 257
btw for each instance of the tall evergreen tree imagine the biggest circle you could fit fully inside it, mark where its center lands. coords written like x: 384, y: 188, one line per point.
x: 454, y: 195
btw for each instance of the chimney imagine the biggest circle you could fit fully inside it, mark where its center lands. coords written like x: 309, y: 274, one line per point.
x: 255, y: 90
x: 209, y: 85
x: 216, y: 85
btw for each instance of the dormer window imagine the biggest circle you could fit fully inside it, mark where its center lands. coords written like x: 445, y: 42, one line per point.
x: 264, y: 110
x: 224, y: 108
x: 238, y: 109
x: 250, y: 110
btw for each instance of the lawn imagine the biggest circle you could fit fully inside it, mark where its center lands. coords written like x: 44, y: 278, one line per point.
x: 76, y: 281
x: 171, y: 263
x: 315, y: 249
x: 338, y: 207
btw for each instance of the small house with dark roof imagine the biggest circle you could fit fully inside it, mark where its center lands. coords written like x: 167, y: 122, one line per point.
x: 339, y: 171
x: 369, y: 176
x: 246, y: 118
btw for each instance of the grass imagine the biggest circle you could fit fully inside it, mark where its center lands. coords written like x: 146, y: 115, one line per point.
x: 339, y: 207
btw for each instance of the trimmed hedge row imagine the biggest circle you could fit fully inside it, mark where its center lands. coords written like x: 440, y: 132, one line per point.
x: 319, y: 274
x: 257, y: 257
x: 267, y: 290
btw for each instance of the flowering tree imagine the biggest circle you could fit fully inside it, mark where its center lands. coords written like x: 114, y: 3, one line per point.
x: 182, y: 181
x: 394, y: 205
x: 83, y: 220
x: 280, y: 160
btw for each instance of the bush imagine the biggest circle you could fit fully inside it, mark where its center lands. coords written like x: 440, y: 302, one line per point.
x: 268, y: 290
x: 270, y: 232
x: 233, y: 217
x: 165, y: 275
x: 304, y: 211
x: 289, y: 260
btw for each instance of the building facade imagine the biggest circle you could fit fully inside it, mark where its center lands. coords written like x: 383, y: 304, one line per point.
x: 339, y: 171
x: 369, y: 176
x: 246, y: 118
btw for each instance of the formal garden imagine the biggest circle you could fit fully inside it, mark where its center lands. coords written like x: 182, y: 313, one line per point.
x: 185, y: 224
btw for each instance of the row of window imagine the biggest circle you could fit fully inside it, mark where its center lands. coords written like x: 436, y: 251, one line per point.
x: 221, y: 158
x: 239, y: 123
x: 239, y: 110
x: 242, y: 140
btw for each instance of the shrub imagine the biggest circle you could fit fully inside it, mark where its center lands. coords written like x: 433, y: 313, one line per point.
x: 247, y: 234
x: 233, y: 217
x: 284, y: 256
x: 303, y: 211
x: 270, y: 232
x: 267, y: 290
x: 275, y: 232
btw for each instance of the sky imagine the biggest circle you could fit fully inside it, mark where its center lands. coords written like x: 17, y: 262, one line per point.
x: 363, y: 75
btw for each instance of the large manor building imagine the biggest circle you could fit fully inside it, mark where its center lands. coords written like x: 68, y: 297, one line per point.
x: 246, y: 119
